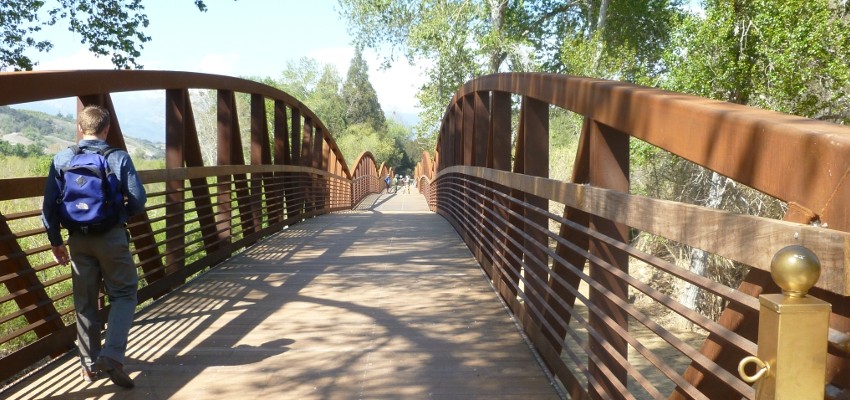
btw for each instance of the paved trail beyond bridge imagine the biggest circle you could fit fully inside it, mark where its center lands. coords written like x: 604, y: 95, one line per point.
x: 385, y: 302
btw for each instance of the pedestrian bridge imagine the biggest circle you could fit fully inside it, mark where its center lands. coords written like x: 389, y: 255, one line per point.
x: 286, y: 271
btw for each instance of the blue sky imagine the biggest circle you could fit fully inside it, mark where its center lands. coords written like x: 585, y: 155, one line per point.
x: 244, y: 38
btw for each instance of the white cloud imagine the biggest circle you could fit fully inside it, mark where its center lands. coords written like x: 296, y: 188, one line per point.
x: 396, y: 86
x: 82, y: 59
x: 340, y: 57
x: 220, y: 64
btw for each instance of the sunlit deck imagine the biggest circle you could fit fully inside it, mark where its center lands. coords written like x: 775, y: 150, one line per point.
x: 382, y: 303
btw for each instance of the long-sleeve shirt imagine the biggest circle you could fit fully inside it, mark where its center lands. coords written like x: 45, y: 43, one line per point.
x: 119, y: 162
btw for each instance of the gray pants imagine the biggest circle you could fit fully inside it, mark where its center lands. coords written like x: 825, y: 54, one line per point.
x: 103, y: 257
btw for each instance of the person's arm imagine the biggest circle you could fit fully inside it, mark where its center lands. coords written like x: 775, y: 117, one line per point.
x: 50, y: 207
x: 50, y: 216
x: 135, y: 192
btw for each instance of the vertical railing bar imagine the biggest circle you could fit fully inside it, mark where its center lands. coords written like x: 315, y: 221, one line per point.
x: 282, y: 155
x: 536, y: 163
x: 225, y: 183
x: 260, y: 155
x: 609, y: 168
x: 175, y: 127
x: 581, y: 174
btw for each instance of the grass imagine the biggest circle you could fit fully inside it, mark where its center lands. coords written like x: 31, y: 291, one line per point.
x: 56, y: 278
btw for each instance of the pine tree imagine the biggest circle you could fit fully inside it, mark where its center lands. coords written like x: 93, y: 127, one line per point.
x: 360, y: 98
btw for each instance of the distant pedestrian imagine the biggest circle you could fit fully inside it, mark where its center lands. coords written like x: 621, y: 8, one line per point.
x: 387, y: 180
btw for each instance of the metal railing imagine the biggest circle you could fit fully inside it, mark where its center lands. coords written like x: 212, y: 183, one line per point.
x: 197, y: 216
x: 599, y: 309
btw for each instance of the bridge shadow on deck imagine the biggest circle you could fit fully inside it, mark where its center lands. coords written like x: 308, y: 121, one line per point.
x: 385, y: 303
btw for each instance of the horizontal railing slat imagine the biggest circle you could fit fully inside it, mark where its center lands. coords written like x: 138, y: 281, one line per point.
x: 716, y: 231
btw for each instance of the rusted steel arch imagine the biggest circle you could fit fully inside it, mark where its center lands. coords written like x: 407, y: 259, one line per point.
x: 364, y: 165
x: 23, y: 87
x: 425, y: 166
x: 385, y: 170
x: 207, y: 212
x: 801, y: 161
x: 424, y: 176
x: 743, y: 143
x: 365, y: 177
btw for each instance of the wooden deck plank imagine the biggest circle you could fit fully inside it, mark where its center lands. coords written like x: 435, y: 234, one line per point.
x: 381, y: 304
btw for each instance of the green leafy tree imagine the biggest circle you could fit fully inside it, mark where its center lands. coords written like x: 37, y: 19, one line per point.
x: 764, y: 54
x: 457, y: 40
x: 362, y: 137
x: 360, y: 98
x: 784, y: 55
x: 112, y: 28
x: 400, y: 136
x: 318, y: 86
x: 327, y: 102
x: 623, y: 40
x: 299, y: 78
x: 42, y: 165
x: 441, y: 32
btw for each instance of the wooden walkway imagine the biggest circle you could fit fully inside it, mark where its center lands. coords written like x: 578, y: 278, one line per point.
x: 381, y: 303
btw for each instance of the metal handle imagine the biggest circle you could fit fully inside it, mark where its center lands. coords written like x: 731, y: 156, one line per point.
x: 763, y: 368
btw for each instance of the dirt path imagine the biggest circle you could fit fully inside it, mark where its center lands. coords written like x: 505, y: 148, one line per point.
x: 660, y: 348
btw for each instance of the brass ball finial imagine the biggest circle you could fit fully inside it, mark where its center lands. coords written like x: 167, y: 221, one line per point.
x: 795, y: 269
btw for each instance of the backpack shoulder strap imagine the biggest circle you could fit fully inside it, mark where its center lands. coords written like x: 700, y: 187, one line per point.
x: 75, y: 150
x: 107, y: 151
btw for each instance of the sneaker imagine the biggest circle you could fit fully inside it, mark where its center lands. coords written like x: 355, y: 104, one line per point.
x: 115, y: 371
x: 89, y: 376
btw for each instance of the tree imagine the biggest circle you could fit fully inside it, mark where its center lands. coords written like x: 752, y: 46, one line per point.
x: 109, y: 27
x: 762, y: 53
x: 327, y: 101
x: 441, y: 32
x: 362, y: 137
x: 204, y: 103
x: 317, y: 86
x: 399, y: 136
x: 299, y: 78
x: 360, y: 98
x: 758, y: 53
x: 457, y: 40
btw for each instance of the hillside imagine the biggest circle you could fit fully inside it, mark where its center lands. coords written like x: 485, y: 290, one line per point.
x: 55, y: 132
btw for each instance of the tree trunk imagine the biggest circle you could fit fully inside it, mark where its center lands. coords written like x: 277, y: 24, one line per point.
x: 498, y: 9
x: 600, y: 28
x: 699, y: 257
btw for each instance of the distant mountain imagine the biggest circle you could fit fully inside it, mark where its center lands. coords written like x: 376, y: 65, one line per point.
x: 55, y: 132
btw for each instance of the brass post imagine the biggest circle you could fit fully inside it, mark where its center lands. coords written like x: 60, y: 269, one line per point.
x: 793, y: 331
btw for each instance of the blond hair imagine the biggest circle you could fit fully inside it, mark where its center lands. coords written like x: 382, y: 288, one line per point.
x: 93, y: 120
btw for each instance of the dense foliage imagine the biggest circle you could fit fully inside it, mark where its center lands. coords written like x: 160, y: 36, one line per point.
x: 360, y: 98
x: 20, y: 150
x: 350, y: 109
x: 457, y: 40
x: 33, y: 125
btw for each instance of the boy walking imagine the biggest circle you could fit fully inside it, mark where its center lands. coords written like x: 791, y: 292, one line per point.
x: 98, y: 256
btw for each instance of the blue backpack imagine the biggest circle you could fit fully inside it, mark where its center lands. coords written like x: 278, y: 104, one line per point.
x: 90, y: 197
